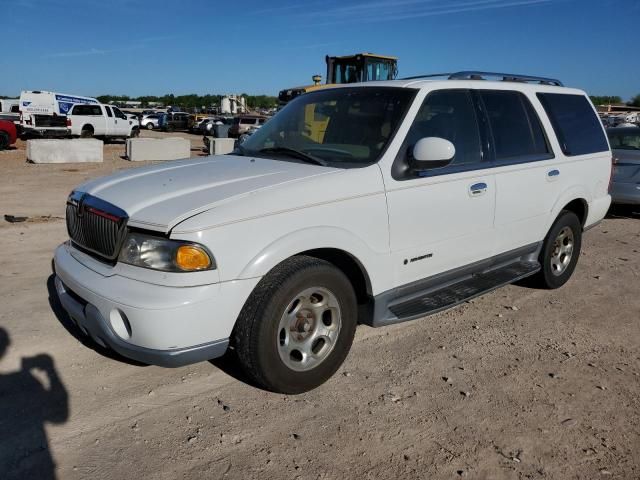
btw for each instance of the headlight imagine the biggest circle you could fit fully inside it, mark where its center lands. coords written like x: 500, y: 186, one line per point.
x: 163, y: 254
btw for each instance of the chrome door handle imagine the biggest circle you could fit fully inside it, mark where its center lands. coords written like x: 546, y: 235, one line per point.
x: 477, y: 189
x: 553, y: 173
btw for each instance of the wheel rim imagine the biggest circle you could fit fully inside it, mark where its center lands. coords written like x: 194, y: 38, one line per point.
x: 562, y: 251
x: 309, y: 329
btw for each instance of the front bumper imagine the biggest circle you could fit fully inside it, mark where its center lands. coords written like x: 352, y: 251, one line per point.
x: 625, y: 193
x: 155, y: 324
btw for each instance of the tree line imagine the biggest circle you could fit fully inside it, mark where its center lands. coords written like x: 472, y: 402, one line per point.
x: 191, y: 101
x: 614, y: 100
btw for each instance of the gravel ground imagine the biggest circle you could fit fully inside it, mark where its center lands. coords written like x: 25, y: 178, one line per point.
x: 520, y: 383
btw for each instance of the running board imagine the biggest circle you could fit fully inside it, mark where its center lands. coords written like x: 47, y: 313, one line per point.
x: 441, y: 298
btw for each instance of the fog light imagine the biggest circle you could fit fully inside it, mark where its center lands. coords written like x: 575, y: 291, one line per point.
x: 120, y: 324
x: 190, y: 257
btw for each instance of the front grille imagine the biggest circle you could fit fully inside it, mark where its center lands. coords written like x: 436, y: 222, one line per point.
x: 95, y: 225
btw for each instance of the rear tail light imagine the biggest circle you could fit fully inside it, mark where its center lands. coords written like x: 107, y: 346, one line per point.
x: 68, y: 122
x: 614, y: 160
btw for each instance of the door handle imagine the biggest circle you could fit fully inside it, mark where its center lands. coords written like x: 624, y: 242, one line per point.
x: 477, y: 189
x: 553, y: 175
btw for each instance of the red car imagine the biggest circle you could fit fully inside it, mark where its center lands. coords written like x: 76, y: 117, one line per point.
x: 8, y: 134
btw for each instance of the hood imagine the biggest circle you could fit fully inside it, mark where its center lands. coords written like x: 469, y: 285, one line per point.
x: 159, y: 197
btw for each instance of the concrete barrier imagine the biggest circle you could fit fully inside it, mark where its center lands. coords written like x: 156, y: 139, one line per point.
x: 81, y: 150
x: 141, y: 149
x: 220, y: 146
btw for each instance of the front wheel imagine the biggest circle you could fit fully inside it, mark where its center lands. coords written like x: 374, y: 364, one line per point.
x: 560, y: 251
x: 297, y: 327
x: 149, y: 126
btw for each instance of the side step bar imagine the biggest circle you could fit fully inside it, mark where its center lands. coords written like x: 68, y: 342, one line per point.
x: 441, y: 298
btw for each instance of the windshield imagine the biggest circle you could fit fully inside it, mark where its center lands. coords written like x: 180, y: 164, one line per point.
x: 625, y: 141
x: 342, y: 126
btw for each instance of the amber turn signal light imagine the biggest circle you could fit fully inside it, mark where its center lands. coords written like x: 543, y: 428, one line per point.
x: 190, y: 257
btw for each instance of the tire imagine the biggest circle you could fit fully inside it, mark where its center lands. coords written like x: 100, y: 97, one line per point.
x: 135, y: 132
x: 86, y: 132
x: 269, y: 336
x: 560, y: 251
x: 4, y: 140
x: 149, y: 126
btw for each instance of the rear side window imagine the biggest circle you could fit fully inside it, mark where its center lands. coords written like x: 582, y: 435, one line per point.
x: 514, y: 125
x: 87, y: 110
x: 576, y: 124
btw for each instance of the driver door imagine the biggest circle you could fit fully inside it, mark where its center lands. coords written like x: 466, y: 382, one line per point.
x: 441, y: 219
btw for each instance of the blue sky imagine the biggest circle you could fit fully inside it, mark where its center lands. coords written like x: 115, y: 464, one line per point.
x: 154, y: 47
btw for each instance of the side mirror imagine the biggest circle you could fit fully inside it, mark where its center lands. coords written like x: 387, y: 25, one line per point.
x: 432, y: 152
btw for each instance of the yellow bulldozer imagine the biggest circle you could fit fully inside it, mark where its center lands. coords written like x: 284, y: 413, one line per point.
x: 360, y: 67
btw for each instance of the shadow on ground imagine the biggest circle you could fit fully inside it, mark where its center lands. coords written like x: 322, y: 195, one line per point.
x: 26, y: 405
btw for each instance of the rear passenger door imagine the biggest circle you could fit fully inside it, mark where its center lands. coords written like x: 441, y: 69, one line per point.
x: 441, y: 218
x: 526, y: 171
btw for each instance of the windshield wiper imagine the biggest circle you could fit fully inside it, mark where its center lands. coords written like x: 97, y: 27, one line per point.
x: 295, y: 153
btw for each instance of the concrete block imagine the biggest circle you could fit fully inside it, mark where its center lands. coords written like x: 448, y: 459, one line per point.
x: 220, y: 146
x: 174, y: 148
x: 81, y: 150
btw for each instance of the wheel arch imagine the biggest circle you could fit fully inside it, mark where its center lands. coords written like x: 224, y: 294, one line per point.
x: 337, y: 246
x: 580, y: 207
x: 576, y: 200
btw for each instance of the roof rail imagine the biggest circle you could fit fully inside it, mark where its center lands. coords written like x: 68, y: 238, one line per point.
x: 505, y: 77
x: 417, y: 77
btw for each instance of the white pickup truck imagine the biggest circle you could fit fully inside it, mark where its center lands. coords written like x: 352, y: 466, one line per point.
x: 100, y: 121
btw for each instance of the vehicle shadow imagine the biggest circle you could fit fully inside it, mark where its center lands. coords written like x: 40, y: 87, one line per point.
x: 67, y: 323
x: 26, y: 405
x: 618, y: 212
x: 230, y: 365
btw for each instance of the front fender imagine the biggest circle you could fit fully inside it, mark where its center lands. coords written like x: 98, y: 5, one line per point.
x: 296, y: 242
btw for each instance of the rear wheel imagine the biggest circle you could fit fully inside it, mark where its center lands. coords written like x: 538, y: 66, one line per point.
x: 297, y: 327
x: 4, y: 140
x: 86, y: 132
x: 149, y: 126
x: 135, y: 132
x: 560, y: 251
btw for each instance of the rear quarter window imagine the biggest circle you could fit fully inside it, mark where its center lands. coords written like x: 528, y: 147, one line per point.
x: 575, y: 123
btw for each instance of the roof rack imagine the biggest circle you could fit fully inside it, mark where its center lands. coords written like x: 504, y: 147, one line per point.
x: 505, y: 77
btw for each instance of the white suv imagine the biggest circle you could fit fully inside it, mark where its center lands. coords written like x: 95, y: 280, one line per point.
x: 100, y: 121
x: 373, y: 203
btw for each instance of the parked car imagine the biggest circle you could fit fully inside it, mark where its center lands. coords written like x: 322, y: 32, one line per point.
x: 150, y: 121
x: 242, y: 123
x: 204, y: 126
x: 8, y: 134
x: 175, y: 121
x: 100, y: 120
x: 45, y: 113
x: 370, y: 203
x: 625, y: 182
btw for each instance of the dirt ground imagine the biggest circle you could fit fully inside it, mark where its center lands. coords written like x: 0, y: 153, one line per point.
x: 518, y: 384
